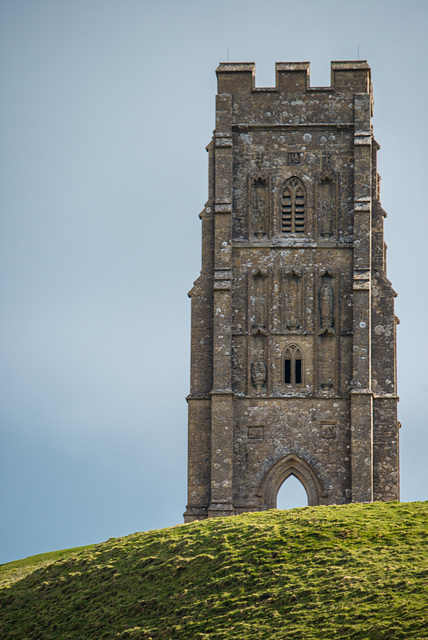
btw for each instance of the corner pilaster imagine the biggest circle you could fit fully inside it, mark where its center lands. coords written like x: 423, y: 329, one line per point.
x: 221, y: 394
x: 361, y: 395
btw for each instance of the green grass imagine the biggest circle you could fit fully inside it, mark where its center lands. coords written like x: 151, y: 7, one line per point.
x: 351, y: 571
x: 13, y: 571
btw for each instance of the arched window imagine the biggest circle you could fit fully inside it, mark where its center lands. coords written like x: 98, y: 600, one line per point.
x: 293, y: 206
x: 293, y: 366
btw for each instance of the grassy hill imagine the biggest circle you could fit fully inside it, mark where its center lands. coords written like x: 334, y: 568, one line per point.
x: 351, y: 571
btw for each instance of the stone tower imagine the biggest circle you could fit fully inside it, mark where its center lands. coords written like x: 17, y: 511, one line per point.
x: 293, y: 367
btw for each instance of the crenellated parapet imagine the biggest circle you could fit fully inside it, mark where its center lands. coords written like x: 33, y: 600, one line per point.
x: 239, y: 78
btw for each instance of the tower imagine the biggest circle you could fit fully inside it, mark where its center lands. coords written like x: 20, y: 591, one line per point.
x: 293, y: 363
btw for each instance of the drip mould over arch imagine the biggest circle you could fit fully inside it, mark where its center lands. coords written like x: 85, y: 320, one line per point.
x: 292, y: 464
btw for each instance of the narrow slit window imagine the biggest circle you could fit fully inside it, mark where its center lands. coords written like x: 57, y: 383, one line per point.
x: 287, y: 371
x: 298, y: 371
x: 293, y: 206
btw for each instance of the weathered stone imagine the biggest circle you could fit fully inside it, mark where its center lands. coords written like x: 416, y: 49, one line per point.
x: 293, y: 327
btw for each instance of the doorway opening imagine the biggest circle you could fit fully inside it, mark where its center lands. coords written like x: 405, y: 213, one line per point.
x: 291, y: 494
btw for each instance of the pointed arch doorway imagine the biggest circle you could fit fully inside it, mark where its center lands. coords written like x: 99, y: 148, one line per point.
x: 291, y: 465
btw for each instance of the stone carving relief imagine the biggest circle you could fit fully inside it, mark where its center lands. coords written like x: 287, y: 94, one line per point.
x: 259, y: 199
x: 326, y: 221
x: 258, y: 374
x: 327, y: 199
x: 258, y: 305
x: 256, y: 432
x: 327, y: 384
x: 327, y: 343
x: 326, y: 301
x: 293, y: 300
x: 328, y: 430
x: 258, y: 301
x: 293, y: 157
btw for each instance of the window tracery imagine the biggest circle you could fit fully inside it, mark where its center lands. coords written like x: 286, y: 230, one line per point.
x: 293, y: 366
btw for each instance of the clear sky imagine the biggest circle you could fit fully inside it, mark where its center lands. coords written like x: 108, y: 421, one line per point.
x: 106, y: 109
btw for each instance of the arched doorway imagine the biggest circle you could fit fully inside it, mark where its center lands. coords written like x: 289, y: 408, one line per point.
x: 291, y: 494
x: 291, y: 465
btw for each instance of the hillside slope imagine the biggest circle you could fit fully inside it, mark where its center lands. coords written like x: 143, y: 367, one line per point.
x: 351, y: 571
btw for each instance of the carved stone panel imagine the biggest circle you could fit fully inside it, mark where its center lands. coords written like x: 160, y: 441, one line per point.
x: 258, y: 319
x: 259, y: 199
x: 327, y: 341
x: 259, y: 207
x: 328, y: 430
x: 255, y: 432
x: 327, y: 185
x: 293, y: 300
x: 293, y: 158
x: 258, y: 375
x: 275, y: 304
x: 326, y: 300
x: 258, y: 301
x: 326, y: 213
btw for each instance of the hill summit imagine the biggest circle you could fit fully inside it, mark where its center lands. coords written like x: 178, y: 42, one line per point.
x: 350, y: 571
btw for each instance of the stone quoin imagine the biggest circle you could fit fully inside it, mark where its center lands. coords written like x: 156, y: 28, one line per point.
x: 293, y: 352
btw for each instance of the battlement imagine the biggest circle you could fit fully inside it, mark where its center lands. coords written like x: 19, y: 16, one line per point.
x: 352, y: 76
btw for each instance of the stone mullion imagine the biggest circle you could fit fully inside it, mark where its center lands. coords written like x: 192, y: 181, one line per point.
x: 361, y: 395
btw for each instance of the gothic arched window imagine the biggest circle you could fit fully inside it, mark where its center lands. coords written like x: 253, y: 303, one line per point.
x: 293, y: 366
x: 293, y: 206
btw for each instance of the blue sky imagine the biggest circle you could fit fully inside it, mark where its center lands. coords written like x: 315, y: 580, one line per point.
x: 106, y: 109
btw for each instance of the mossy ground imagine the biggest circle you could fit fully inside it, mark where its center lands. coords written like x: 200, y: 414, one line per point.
x: 351, y: 571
